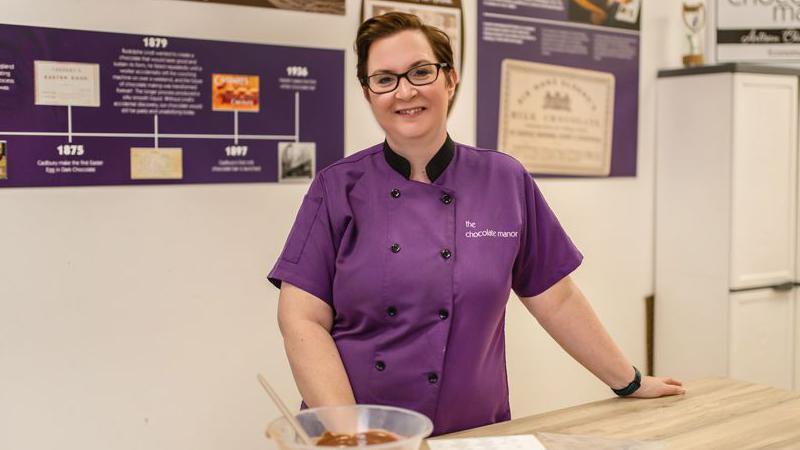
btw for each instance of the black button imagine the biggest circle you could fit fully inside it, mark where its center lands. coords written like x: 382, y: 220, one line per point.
x: 395, y: 193
x: 391, y: 311
x: 443, y: 314
x: 380, y: 365
x: 433, y: 378
x: 446, y: 254
x: 395, y: 248
x: 446, y: 199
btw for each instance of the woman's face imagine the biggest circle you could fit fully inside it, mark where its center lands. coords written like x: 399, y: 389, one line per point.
x: 409, y: 112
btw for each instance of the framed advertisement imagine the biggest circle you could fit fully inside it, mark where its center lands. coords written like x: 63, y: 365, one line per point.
x: 556, y: 119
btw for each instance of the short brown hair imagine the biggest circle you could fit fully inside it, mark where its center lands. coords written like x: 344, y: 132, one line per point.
x: 391, y: 23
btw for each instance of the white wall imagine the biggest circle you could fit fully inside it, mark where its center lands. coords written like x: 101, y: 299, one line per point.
x: 137, y: 317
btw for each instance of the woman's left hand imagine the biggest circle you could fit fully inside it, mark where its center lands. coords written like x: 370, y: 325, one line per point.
x: 652, y: 387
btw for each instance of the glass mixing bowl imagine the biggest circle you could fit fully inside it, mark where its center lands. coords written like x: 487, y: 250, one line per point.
x: 409, y: 426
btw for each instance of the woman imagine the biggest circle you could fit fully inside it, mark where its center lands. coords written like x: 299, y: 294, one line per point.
x: 396, y: 274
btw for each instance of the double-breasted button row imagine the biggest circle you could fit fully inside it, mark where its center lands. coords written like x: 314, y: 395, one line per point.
x: 445, y: 198
x: 433, y: 378
x: 391, y: 311
x: 446, y: 253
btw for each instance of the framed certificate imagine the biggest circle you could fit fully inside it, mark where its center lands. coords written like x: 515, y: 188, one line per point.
x: 556, y: 119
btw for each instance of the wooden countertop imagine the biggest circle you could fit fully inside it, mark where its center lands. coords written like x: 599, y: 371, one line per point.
x: 714, y: 413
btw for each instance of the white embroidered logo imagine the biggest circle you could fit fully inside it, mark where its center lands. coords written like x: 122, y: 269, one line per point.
x: 473, y: 232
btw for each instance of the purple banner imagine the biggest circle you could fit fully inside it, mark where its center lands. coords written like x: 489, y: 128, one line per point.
x: 558, y: 84
x: 89, y: 108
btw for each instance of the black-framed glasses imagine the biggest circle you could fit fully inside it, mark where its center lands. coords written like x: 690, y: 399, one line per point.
x: 385, y: 82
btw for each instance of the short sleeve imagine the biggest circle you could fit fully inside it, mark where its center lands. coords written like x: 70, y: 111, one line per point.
x: 309, y: 256
x: 546, y: 253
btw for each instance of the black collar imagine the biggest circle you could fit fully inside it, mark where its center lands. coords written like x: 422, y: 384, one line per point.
x: 435, y: 166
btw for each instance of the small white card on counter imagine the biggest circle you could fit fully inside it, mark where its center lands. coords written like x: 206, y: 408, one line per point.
x: 521, y: 442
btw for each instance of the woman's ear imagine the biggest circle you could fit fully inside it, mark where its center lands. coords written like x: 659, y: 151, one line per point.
x: 452, y: 78
x: 365, y: 91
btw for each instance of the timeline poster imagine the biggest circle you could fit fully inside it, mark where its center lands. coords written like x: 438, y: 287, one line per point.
x: 81, y: 108
x: 558, y: 84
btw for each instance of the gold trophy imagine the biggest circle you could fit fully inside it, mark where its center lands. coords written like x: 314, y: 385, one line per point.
x: 3, y: 161
x: 694, y: 17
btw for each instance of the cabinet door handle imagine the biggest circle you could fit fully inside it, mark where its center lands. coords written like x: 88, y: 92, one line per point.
x: 781, y: 287
x: 787, y: 286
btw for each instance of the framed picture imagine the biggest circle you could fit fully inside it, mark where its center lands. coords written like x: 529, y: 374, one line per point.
x: 555, y: 119
x: 297, y: 161
x: 317, y: 6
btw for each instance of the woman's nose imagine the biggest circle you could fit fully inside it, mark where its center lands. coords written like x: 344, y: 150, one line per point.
x: 405, y: 90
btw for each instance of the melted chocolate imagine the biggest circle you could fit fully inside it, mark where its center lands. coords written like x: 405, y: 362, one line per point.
x: 370, y: 437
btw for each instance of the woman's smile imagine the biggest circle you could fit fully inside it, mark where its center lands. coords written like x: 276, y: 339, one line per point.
x: 411, y: 112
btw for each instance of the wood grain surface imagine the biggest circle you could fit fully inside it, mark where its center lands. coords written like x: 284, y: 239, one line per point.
x: 715, y: 413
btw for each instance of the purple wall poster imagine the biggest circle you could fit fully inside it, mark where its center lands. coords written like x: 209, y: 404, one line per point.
x: 558, y: 84
x: 82, y: 108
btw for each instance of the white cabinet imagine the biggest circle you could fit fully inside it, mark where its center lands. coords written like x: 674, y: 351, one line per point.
x: 726, y: 224
x: 761, y: 337
x: 763, y: 180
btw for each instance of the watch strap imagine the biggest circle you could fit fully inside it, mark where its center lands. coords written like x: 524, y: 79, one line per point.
x: 632, y: 386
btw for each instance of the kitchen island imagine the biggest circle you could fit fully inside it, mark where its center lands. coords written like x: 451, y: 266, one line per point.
x: 714, y: 413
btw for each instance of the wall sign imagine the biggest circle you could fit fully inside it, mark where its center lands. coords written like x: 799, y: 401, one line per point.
x: 758, y: 31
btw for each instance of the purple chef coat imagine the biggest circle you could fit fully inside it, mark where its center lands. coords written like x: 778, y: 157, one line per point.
x: 419, y: 274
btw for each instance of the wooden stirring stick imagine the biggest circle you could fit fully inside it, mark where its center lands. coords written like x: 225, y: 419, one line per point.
x: 289, y: 416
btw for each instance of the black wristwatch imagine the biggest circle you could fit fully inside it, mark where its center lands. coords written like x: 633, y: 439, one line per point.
x: 632, y: 387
